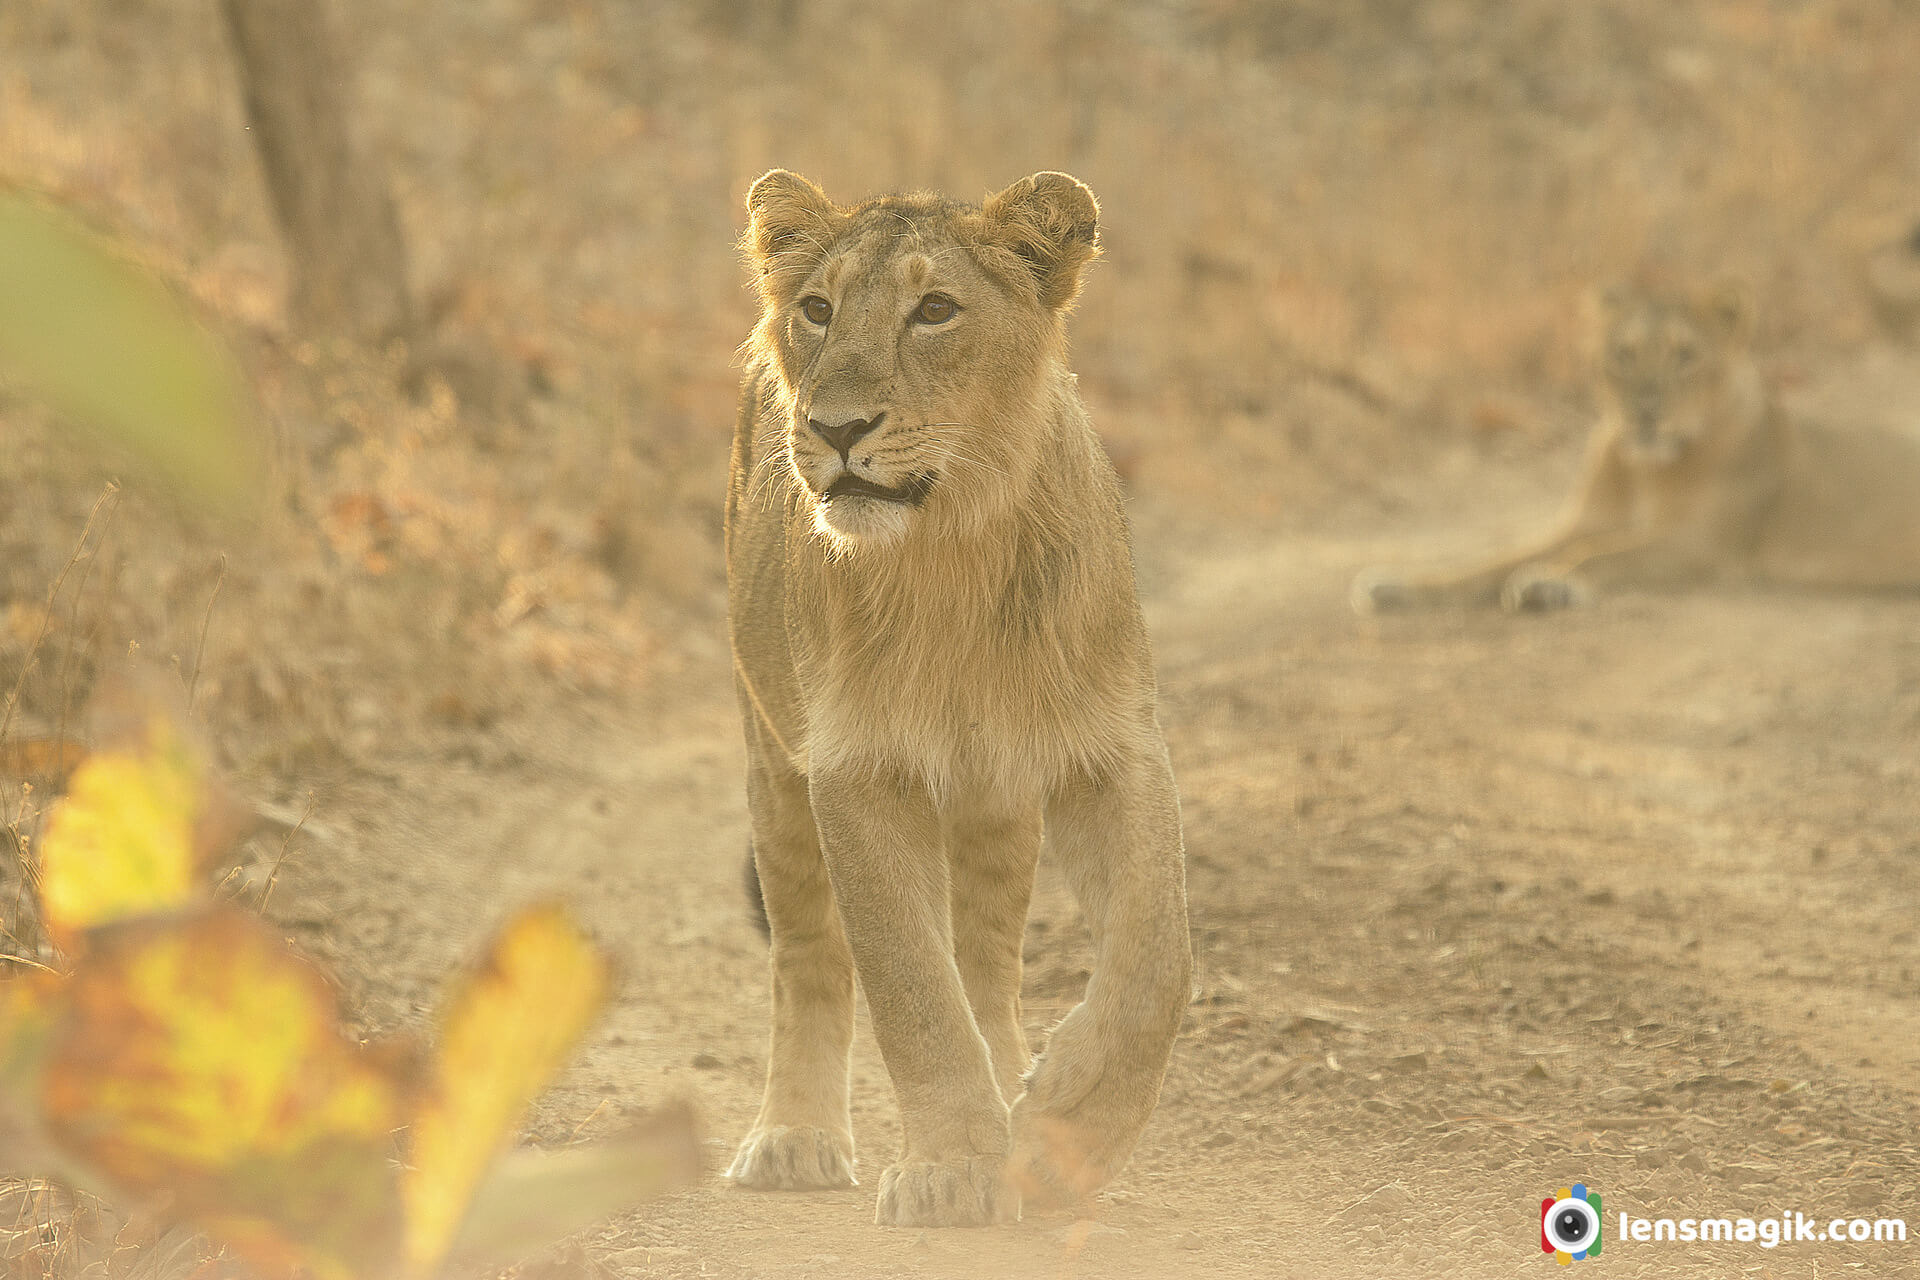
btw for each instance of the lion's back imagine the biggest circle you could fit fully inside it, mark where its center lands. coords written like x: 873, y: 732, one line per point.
x: 1848, y: 514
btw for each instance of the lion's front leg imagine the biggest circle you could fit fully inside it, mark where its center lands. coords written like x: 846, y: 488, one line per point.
x: 882, y: 841
x: 993, y: 856
x: 803, y: 1138
x: 1601, y: 507
x: 1564, y: 579
x: 1097, y: 1082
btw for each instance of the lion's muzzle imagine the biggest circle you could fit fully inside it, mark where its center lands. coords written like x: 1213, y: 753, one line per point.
x: 843, y: 437
x: 910, y: 494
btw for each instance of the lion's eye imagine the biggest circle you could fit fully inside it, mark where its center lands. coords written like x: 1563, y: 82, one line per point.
x: 1685, y: 354
x: 816, y: 309
x: 936, y: 308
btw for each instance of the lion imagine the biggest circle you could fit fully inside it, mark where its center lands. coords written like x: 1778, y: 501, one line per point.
x: 1696, y: 472
x: 939, y: 653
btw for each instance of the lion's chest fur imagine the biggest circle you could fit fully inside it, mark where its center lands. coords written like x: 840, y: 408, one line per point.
x: 1709, y: 506
x: 969, y: 666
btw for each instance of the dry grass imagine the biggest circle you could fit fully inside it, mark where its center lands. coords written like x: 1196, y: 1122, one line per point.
x: 49, y: 1233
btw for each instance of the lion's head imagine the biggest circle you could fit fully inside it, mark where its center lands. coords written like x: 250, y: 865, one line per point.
x: 1666, y: 365
x: 914, y: 339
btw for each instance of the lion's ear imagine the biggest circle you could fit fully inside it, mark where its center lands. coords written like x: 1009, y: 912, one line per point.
x: 790, y: 223
x: 1052, y: 223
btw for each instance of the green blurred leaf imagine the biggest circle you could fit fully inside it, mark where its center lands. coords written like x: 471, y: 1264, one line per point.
x: 108, y: 346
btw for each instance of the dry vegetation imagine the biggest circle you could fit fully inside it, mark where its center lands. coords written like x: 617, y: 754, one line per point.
x: 1337, y: 235
x: 1348, y: 250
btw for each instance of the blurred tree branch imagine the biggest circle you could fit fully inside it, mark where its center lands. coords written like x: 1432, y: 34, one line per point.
x: 334, y: 208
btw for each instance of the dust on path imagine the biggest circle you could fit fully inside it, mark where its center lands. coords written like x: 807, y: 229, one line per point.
x: 1482, y: 906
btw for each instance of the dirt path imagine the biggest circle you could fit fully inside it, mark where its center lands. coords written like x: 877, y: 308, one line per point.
x: 1482, y: 906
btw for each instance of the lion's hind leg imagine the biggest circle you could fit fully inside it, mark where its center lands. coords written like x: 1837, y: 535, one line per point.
x: 803, y: 1138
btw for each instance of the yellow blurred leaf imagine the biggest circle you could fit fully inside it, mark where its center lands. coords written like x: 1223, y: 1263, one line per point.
x: 504, y: 1034
x: 122, y: 841
x: 201, y: 1060
x: 140, y: 710
x: 108, y: 346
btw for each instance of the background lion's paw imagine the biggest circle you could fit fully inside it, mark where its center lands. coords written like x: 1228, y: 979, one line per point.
x: 1533, y: 590
x: 794, y: 1159
x: 1379, y: 591
x: 971, y: 1193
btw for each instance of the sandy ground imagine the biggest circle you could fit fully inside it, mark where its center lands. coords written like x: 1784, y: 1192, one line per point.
x: 1482, y: 906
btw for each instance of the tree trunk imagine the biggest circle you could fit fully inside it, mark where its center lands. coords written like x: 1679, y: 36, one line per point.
x: 348, y: 260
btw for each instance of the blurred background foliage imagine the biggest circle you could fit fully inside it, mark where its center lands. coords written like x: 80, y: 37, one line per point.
x: 1346, y: 244
x: 1348, y: 248
x: 1348, y: 253
x: 1343, y: 242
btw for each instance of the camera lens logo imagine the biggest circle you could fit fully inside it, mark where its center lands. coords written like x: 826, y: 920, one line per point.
x: 1570, y: 1224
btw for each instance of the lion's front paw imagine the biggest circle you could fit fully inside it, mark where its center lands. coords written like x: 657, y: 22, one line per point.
x: 794, y: 1159
x: 1379, y: 591
x: 1540, y: 591
x: 1060, y: 1161
x: 1078, y: 1121
x: 968, y: 1193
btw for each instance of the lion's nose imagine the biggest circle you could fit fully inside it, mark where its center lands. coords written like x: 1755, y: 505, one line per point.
x: 843, y: 437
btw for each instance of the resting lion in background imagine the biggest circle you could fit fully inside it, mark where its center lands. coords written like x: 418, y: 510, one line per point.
x: 1695, y: 473
x: 938, y: 650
